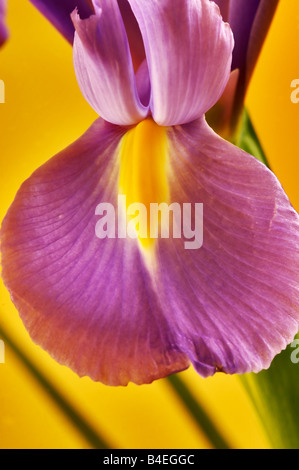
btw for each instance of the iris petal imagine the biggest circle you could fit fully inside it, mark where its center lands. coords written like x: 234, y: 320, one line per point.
x: 133, y: 32
x: 250, y: 22
x: 104, y: 67
x: 99, y: 307
x: 241, y: 18
x: 235, y: 301
x: 3, y: 29
x: 58, y: 12
x: 188, y: 49
x: 90, y: 302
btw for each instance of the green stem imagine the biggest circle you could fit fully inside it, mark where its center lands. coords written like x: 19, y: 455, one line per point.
x: 86, y: 430
x: 198, y: 413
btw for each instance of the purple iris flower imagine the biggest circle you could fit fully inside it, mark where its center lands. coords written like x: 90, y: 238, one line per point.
x: 3, y: 28
x: 137, y: 309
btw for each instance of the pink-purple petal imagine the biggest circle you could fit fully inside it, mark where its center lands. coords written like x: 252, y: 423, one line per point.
x: 241, y: 18
x: 234, y: 302
x: 188, y: 49
x: 104, y: 67
x: 97, y: 305
x: 89, y: 302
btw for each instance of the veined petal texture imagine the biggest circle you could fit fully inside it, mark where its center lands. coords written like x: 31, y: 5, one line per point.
x: 188, y: 49
x: 104, y: 67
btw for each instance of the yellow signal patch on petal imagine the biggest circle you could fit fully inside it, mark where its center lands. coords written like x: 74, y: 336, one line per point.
x: 143, y: 176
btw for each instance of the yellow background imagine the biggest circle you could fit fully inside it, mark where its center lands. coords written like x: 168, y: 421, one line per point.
x: 43, y: 113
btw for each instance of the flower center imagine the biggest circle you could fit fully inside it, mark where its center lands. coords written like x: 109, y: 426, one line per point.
x: 143, y: 175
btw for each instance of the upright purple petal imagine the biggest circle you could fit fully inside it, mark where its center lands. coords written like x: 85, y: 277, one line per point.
x: 133, y: 32
x: 259, y: 30
x: 103, y: 65
x: 250, y: 22
x: 241, y: 18
x: 188, y: 49
x: 58, y: 12
x: 3, y: 28
x: 88, y: 301
x: 234, y: 302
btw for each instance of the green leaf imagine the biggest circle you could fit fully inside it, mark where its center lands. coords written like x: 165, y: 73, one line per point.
x: 91, y: 436
x: 275, y: 394
x: 198, y: 413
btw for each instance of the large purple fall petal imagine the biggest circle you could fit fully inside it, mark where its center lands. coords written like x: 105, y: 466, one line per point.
x: 89, y: 302
x: 58, y: 12
x: 3, y: 28
x: 235, y: 301
x: 99, y: 307
x: 104, y: 67
x: 188, y: 50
